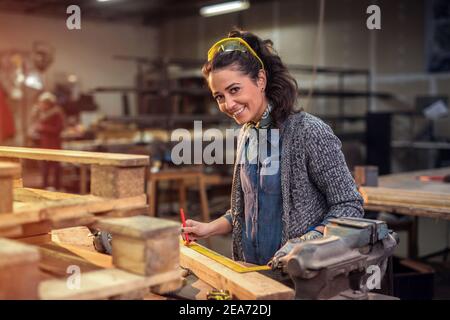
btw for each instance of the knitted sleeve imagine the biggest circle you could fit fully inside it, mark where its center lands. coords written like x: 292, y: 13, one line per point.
x: 328, y: 170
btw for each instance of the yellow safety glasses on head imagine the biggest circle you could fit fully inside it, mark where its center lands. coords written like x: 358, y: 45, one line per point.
x: 232, y: 44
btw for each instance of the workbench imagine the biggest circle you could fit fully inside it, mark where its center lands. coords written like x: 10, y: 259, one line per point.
x: 405, y: 194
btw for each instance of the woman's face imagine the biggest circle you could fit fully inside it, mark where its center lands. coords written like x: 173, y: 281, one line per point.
x: 237, y: 95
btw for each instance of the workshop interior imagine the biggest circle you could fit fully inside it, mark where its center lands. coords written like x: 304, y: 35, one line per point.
x: 120, y: 139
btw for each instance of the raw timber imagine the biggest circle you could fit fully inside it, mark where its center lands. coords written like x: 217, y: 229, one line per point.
x: 118, y: 199
x: 243, y: 286
x: 409, y: 202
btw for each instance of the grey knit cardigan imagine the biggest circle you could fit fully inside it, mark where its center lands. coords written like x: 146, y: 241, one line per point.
x: 316, y: 183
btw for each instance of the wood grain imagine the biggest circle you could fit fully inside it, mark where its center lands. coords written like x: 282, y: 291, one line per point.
x: 246, y: 286
x: 108, y: 159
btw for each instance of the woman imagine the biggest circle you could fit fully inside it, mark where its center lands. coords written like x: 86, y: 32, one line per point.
x: 271, y: 211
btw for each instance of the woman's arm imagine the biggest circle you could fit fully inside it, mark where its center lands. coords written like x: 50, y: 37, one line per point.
x: 329, y: 172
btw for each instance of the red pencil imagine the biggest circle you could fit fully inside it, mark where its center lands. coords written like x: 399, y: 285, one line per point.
x: 183, y: 220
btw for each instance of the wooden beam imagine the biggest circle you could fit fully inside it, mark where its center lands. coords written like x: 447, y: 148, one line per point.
x: 19, y: 272
x: 7, y: 172
x: 103, y: 284
x: 99, y: 158
x: 245, y: 286
x: 36, y: 195
x: 76, y: 207
x: 57, y: 257
x: 73, y: 211
x: 144, y: 245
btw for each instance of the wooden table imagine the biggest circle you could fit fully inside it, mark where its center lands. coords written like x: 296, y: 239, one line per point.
x: 180, y: 177
x: 404, y: 194
x: 408, y: 181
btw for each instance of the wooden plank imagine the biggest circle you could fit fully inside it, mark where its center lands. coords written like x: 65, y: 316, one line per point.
x: 58, y: 211
x: 11, y: 220
x: 57, y: 257
x: 79, y: 236
x: 103, y: 284
x: 13, y: 252
x: 87, y: 220
x: 81, y: 206
x: 126, y: 212
x: 7, y: 172
x: 19, y: 272
x: 6, y: 195
x: 37, y: 239
x: 108, y: 159
x: 27, y: 231
x: 247, y: 286
x: 35, y: 195
x: 143, y: 245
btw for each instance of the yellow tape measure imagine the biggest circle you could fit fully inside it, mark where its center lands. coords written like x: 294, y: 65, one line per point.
x: 233, y: 265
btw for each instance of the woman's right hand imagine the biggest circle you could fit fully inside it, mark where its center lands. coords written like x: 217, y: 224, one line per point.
x: 196, y: 230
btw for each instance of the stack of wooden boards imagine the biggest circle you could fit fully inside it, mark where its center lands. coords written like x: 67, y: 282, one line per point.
x: 116, y: 204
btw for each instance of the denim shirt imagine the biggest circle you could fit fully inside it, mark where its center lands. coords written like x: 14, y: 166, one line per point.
x: 261, y: 186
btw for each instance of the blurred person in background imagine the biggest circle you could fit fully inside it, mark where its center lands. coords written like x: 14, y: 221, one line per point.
x: 47, y: 124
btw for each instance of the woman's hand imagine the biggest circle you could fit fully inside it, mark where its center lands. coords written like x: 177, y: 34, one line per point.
x: 200, y: 230
x: 196, y: 230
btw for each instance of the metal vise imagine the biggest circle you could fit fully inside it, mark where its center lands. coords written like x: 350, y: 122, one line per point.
x: 349, y: 261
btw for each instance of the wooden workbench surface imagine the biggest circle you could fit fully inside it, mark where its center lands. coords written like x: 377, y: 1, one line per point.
x: 408, y: 181
x: 403, y: 193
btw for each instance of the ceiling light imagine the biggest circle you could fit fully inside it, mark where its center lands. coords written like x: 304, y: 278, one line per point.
x: 222, y: 8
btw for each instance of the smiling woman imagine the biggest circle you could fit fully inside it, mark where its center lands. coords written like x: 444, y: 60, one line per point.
x: 272, y: 210
x: 235, y: 71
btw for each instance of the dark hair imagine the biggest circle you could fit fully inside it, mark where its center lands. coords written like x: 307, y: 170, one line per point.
x: 281, y: 89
